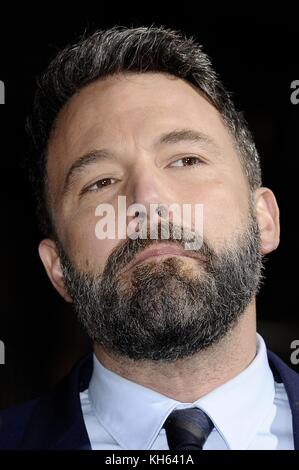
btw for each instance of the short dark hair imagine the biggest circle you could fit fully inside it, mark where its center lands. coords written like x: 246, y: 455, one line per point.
x: 119, y: 50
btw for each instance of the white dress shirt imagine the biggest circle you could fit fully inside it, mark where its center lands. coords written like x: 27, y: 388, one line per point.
x: 250, y: 411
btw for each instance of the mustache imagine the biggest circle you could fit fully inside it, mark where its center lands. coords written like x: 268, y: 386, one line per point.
x: 123, y: 254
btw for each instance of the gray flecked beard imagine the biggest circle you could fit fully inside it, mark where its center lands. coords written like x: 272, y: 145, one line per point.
x: 166, y: 310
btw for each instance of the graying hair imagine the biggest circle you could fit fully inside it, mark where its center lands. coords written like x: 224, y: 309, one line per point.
x: 118, y: 50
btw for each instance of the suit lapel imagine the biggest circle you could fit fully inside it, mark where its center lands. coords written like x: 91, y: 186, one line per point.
x: 290, y: 379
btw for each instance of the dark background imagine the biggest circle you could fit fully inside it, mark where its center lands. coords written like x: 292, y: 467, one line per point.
x: 257, y: 58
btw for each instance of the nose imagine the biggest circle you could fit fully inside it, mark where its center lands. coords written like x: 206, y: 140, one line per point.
x: 149, y: 187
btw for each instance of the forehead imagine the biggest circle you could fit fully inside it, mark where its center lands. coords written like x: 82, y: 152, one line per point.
x: 128, y: 111
x: 126, y: 96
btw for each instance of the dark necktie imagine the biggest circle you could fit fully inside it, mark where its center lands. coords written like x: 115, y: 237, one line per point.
x: 187, y: 429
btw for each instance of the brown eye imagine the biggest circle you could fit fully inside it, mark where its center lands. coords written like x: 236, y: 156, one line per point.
x: 98, y: 185
x: 189, y: 161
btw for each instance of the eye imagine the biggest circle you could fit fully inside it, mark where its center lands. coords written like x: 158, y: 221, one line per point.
x: 98, y: 185
x: 189, y: 160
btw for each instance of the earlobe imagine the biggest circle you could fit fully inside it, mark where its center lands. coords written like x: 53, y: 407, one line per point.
x: 51, y: 261
x: 267, y: 213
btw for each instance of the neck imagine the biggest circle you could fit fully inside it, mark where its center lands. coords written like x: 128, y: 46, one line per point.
x: 187, y: 380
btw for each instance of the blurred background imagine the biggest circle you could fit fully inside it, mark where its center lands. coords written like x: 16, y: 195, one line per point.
x: 257, y: 58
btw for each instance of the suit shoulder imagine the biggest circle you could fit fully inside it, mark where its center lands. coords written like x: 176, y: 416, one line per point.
x: 13, y: 421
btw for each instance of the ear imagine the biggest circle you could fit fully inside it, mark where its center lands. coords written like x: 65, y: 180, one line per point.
x: 267, y: 213
x: 51, y: 261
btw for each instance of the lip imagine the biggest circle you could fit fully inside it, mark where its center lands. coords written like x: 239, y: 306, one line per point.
x: 158, y: 251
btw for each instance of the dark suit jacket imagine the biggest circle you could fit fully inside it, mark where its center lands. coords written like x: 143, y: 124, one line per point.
x: 55, y: 420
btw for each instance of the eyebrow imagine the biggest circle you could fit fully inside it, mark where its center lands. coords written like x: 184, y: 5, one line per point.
x: 172, y: 137
x: 187, y: 135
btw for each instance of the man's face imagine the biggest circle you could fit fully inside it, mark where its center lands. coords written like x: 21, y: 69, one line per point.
x: 141, y: 130
x: 127, y: 116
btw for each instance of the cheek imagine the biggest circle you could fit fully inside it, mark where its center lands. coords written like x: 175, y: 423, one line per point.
x: 86, y: 250
x: 224, y: 215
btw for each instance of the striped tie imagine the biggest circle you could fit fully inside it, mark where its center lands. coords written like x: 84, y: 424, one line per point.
x: 187, y: 429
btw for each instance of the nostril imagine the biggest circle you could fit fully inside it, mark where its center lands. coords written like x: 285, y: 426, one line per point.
x: 161, y: 211
x: 140, y: 215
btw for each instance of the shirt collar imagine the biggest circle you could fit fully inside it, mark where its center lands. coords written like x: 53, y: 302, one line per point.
x: 239, y: 407
x: 134, y: 414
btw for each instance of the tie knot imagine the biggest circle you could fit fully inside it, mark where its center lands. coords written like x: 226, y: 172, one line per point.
x: 187, y: 429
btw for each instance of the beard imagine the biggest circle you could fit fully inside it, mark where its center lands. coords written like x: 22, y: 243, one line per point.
x: 166, y: 310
